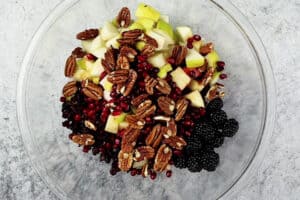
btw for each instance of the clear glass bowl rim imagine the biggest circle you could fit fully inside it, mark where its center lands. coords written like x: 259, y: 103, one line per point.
x: 250, y: 35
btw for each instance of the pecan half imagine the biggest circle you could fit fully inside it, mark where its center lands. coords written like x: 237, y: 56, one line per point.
x: 123, y: 63
x: 206, y: 49
x: 163, y: 86
x: 118, y: 76
x: 125, y: 160
x: 91, y: 90
x: 150, y: 83
x: 135, y: 121
x: 172, y: 128
x: 166, y: 104
x: 155, y: 136
x: 70, y: 89
x: 109, y: 62
x: 179, y: 53
x: 175, y: 142
x: 139, y: 99
x: 124, y: 18
x: 207, y: 76
x: 132, y: 76
x: 129, y: 139
x: 78, y: 52
x: 181, y: 106
x: 83, y: 139
x: 87, y: 34
x: 143, y: 152
x: 130, y: 37
x: 162, y: 158
x: 150, y: 41
x: 215, y: 91
x: 70, y: 66
x: 145, y: 109
x: 148, y: 50
x: 145, y: 171
x: 129, y: 52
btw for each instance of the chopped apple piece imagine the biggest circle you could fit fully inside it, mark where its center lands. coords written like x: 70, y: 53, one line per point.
x: 166, y: 27
x: 99, y: 52
x: 161, y: 41
x: 139, y: 164
x: 123, y: 125
x: 194, y: 59
x: 212, y: 58
x: 81, y: 74
x: 215, y: 78
x: 106, y: 84
x: 158, y: 60
x: 180, y: 78
x: 81, y: 63
x: 197, y: 45
x: 109, y: 31
x: 112, y: 123
x: 147, y: 23
x: 136, y: 25
x: 168, y: 39
x: 184, y: 33
x: 113, y: 42
x: 140, y: 45
x: 146, y: 11
x: 90, y: 45
x: 106, y: 95
x: 196, y: 85
x: 96, y: 80
x: 166, y: 18
x: 163, y: 71
x: 196, y: 99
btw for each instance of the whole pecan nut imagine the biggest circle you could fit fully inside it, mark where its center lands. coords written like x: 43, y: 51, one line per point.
x: 150, y: 41
x: 109, y: 62
x: 215, y: 91
x: 91, y: 90
x: 181, y: 107
x: 135, y: 121
x: 118, y: 76
x: 163, y: 86
x: 150, y: 83
x: 125, y: 160
x: 172, y: 128
x: 139, y: 99
x: 207, y: 76
x: 145, y: 109
x: 178, y: 54
x: 175, y: 142
x: 129, y: 52
x: 162, y: 158
x: 124, y: 18
x: 84, y: 139
x: 148, y: 50
x: 87, y: 34
x: 123, y: 62
x: 145, y: 170
x: 90, y: 125
x: 155, y: 136
x: 70, y: 66
x: 130, y: 37
x: 132, y: 76
x: 207, y: 48
x: 143, y: 152
x: 166, y: 104
x: 70, y: 89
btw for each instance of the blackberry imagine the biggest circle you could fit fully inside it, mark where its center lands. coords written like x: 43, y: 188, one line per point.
x: 218, y: 117
x: 214, y: 105
x: 180, y: 162
x: 194, y: 141
x: 230, y: 128
x: 209, y: 160
x: 205, y: 131
x: 191, y: 150
x: 193, y: 164
x: 217, y: 142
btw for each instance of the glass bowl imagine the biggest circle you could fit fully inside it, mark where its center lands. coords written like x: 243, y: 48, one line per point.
x: 72, y: 174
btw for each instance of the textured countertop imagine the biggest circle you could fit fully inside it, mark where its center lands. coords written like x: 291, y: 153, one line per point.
x: 277, y: 23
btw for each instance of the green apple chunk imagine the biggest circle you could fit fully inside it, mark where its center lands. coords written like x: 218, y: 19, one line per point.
x: 112, y: 123
x: 161, y: 41
x: 81, y: 74
x: 140, y: 45
x: 215, y: 78
x: 96, y: 69
x: 99, y: 52
x: 180, y: 78
x: 163, y: 71
x: 106, y: 84
x: 147, y: 23
x: 212, y: 58
x: 90, y: 45
x: 109, y: 31
x: 166, y: 18
x: 195, y: 99
x: 146, y: 11
x: 194, y: 59
x: 113, y: 42
x: 184, y: 32
x: 136, y: 25
x: 84, y: 64
x: 197, y: 45
x: 166, y: 27
x: 123, y: 125
x: 196, y: 85
x: 96, y: 80
x: 158, y: 60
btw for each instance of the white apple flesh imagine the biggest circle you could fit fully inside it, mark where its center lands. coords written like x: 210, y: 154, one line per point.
x: 180, y: 78
x: 195, y: 99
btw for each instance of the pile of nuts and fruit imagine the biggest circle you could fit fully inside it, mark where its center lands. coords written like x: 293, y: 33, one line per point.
x: 146, y: 97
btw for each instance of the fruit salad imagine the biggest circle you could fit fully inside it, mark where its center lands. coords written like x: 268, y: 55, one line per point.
x: 146, y: 97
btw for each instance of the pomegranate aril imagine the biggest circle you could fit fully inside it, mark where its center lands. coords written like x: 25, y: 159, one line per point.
x: 171, y: 61
x: 133, y: 172
x: 153, y: 175
x: 177, y: 152
x: 90, y: 56
x: 188, y: 133
x: 202, y: 112
x: 223, y: 76
x: 197, y: 37
x: 66, y: 123
x: 121, y: 133
x: 138, y: 172
x: 113, y: 171
x: 190, y: 40
x: 220, y: 64
x: 62, y: 99
x: 77, y: 117
x: 91, y: 114
x: 169, y: 173
x: 71, y: 135
x: 117, y: 112
x: 117, y: 141
x: 189, y: 45
x: 91, y: 106
x: 219, y: 68
x: 86, y: 149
